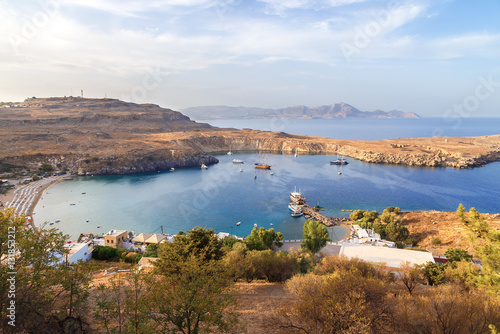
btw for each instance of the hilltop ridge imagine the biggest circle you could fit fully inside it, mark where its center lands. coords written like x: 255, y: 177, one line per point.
x: 336, y: 110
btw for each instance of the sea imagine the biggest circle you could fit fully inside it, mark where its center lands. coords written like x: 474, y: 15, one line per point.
x: 234, y: 198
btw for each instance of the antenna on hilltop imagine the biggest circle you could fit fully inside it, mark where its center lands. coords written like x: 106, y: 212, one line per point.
x: 82, y: 93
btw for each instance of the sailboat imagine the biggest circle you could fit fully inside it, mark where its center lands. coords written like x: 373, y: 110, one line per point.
x: 262, y: 165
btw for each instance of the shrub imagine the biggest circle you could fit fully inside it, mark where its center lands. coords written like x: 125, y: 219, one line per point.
x: 436, y: 242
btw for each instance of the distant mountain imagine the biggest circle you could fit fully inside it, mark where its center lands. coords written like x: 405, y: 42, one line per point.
x: 337, y: 110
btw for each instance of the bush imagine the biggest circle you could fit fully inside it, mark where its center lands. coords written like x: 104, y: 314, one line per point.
x: 411, y: 241
x: 105, y: 253
x: 436, y: 242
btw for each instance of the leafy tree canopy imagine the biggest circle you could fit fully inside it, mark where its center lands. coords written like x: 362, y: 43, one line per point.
x: 315, y: 236
x: 457, y: 254
x: 261, y: 239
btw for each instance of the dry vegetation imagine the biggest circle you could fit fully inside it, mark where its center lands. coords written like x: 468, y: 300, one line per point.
x: 424, y: 226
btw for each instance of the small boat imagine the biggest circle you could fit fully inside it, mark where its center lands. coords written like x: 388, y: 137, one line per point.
x: 83, y: 193
x: 237, y: 161
x: 203, y: 166
x: 254, y: 225
x: 87, y: 221
x: 271, y: 224
x: 57, y: 220
x: 172, y: 169
x: 72, y: 204
x: 98, y: 226
x: 339, y: 162
x: 271, y: 173
x: 241, y: 169
x: 297, y: 214
x: 51, y: 223
x: 238, y: 223
x: 340, y: 173
x: 229, y: 153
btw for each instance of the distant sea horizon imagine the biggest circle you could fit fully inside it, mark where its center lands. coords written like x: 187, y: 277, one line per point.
x: 371, y: 128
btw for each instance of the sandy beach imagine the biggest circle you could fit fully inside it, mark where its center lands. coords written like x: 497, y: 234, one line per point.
x: 24, y: 197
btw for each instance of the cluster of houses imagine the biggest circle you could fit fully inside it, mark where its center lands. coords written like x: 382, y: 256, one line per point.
x: 363, y: 244
x: 82, y: 250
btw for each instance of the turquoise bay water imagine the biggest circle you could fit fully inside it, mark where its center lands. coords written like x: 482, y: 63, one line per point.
x: 221, y: 196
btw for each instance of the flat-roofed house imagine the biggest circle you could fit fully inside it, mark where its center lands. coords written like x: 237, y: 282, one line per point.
x: 78, y: 251
x: 115, y: 238
x: 392, y: 257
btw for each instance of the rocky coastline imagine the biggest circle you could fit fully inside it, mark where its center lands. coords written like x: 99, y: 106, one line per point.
x: 107, y: 136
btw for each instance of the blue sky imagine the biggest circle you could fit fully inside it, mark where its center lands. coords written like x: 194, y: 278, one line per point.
x: 437, y: 58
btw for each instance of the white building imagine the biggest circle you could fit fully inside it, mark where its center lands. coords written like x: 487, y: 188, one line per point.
x: 366, y: 235
x: 78, y: 251
x: 392, y: 257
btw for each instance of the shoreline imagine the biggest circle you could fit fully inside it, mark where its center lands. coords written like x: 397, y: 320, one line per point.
x: 28, y: 195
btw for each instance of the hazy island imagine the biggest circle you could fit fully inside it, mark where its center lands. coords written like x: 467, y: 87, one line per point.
x: 336, y: 110
x: 109, y: 136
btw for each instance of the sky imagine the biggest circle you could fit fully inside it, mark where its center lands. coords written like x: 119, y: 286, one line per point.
x: 437, y: 58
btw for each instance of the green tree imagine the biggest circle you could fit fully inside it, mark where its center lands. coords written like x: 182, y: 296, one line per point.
x: 433, y: 273
x: 49, y: 296
x: 315, y: 236
x: 486, y: 243
x: 461, y: 213
x: 371, y: 216
x: 200, y: 242
x: 356, y: 215
x: 261, y: 239
x: 457, y: 254
x: 195, y: 299
x: 379, y: 228
x: 397, y: 232
x: 229, y: 242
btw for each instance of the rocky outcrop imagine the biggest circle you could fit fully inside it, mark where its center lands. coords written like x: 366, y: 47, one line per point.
x: 418, y: 152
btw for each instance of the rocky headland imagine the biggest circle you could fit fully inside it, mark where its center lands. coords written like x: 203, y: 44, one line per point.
x: 108, y: 136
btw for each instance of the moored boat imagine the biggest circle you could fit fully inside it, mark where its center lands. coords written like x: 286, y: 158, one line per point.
x: 203, y: 166
x: 297, y: 198
x: 262, y: 165
x: 339, y: 162
x: 297, y: 214
x: 237, y: 161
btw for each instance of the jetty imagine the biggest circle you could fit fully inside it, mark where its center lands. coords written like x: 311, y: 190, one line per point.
x: 327, y: 221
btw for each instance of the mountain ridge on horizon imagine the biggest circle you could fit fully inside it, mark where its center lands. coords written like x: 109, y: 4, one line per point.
x: 336, y: 110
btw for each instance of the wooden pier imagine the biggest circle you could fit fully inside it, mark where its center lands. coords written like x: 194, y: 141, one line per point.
x: 327, y: 221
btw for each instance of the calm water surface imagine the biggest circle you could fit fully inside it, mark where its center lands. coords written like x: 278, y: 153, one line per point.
x: 221, y: 196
